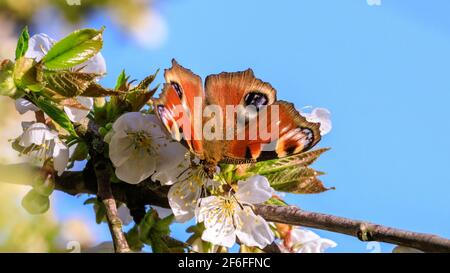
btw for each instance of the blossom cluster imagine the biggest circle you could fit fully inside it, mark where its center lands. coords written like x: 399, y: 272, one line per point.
x: 141, y: 151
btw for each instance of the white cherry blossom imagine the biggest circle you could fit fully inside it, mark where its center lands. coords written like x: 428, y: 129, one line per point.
x: 305, y: 241
x: 44, y: 144
x: 230, y: 216
x: 138, y: 147
x: 187, y: 189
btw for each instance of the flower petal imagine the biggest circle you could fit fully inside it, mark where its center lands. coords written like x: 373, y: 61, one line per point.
x: 162, y: 212
x: 95, y: 65
x: 306, y: 241
x: 254, y: 190
x: 217, y: 236
x: 130, y: 122
x: 317, y: 246
x: 38, y: 46
x: 167, y: 174
x: 219, y: 225
x: 120, y: 149
x: 183, y: 198
x: 171, y: 155
x: 252, y: 230
x: 136, y: 169
x: 322, y: 116
x: 77, y: 114
x: 124, y: 214
x: 23, y: 106
x: 60, y: 156
x: 158, y: 129
x: 37, y: 134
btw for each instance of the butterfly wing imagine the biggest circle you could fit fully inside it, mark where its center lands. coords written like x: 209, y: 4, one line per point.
x: 234, y: 98
x: 280, y: 131
x: 254, y: 108
x: 238, y: 89
x: 264, y: 128
x: 180, y: 103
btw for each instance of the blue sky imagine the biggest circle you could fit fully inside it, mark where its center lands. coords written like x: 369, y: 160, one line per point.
x: 381, y: 70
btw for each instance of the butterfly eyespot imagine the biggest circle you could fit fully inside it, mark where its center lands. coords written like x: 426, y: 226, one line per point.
x: 308, y: 136
x: 290, y: 150
x: 256, y: 99
x: 308, y: 133
x: 177, y: 88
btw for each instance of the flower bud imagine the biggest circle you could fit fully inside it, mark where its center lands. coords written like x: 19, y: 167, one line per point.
x: 44, y: 185
x: 7, y: 85
x: 35, y: 203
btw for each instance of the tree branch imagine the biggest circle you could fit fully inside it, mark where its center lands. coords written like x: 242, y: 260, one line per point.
x: 150, y: 193
x: 362, y: 230
x: 81, y: 182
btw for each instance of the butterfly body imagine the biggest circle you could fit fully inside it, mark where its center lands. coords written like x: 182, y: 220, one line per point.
x: 235, y: 118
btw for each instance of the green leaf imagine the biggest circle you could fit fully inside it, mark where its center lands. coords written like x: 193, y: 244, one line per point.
x: 133, y: 239
x: 68, y: 83
x: 74, y: 49
x: 100, y: 212
x: 35, y: 203
x: 99, y: 209
x: 22, y: 43
x: 56, y: 114
x: 121, y: 80
x: 145, y: 83
x: 276, y: 202
x: 280, y: 164
x: 152, y: 231
x: 95, y: 90
x: 138, y: 99
x: 300, y: 180
x: 139, y: 96
x: 158, y: 244
x: 91, y: 200
x: 146, y: 225
x: 163, y: 226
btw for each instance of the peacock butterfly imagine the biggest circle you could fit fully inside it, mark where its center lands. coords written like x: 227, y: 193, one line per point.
x: 235, y: 118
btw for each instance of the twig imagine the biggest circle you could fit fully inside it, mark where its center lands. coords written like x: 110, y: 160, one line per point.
x: 362, y: 230
x: 114, y: 222
x: 104, y: 191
